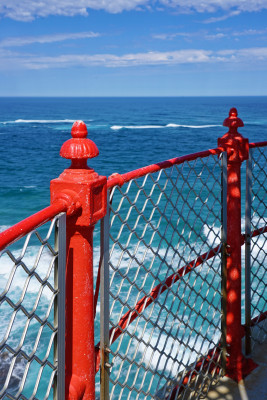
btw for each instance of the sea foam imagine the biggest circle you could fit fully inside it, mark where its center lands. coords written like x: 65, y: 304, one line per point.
x: 118, y: 127
x: 39, y: 121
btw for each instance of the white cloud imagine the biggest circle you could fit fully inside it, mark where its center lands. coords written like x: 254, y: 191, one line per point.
x: 215, y: 36
x: 250, y: 32
x: 256, y: 54
x: 112, y: 61
x: 188, y: 36
x: 60, y: 37
x: 171, y: 36
x: 210, y: 35
x: 27, y: 10
x: 215, y: 5
x: 222, y: 18
x: 244, y: 56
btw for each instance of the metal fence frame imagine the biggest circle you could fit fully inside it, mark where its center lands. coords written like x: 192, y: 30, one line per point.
x: 57, y: 380
x: 104, y: 354
x: 104, y: 345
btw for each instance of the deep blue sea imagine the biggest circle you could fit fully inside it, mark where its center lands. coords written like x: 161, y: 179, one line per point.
x: 129, y: 133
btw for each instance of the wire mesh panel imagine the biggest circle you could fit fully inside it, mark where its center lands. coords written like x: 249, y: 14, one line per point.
x: 165, y: 283
x: 256, y: 222
x: 32, y: 324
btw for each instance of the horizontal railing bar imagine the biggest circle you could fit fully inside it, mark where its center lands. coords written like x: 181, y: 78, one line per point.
x: 24, y: 227
x: 258, y: 144
x: 257, y: 232
x: 120, y: 179
x: 254, y: 321
x: 258, y: 319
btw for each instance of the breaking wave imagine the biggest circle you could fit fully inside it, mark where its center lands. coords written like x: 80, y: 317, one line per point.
x: 39, y: 121
x: 118, y: 127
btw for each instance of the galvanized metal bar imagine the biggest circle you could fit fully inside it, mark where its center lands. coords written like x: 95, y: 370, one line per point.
x: 59, y: 349
x: 47, y: 268
x: 104, y: 306
x: 224, y: 254
x: 247, y: 254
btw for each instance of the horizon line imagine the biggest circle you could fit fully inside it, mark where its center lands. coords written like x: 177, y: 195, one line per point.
x: 129, y: 96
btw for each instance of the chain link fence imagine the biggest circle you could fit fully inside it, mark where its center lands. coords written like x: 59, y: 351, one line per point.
x: 32, y: 303
x: 161, y: 289
x: 163, y: 242
x: 256, y: 247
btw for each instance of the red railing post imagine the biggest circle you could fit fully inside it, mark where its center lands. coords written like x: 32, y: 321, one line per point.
x: 237, y: 148
x: 88, y: 191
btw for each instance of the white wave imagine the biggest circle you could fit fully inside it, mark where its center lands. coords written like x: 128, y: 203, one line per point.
x: 40, y: 121
x: 118, y: 127
x: 20, y: 275
x: 190, y: 126
x: 168, y: 354
x: 213, y: 235
x: 258, y: 221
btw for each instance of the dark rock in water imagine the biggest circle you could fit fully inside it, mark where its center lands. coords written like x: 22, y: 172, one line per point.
x: 16, y: 374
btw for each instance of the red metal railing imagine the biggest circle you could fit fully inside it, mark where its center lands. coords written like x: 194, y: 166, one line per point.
x: 22, y: 228
x: 82, y: 193
x: 117, y: 179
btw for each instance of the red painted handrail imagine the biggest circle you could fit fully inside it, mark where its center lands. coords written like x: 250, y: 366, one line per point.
x: 120, y: 179
x: 258, y: 144
x: 255, y: 233
x: 22, y: 228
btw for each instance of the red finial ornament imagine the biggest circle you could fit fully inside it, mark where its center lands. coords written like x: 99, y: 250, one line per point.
x: 233, y: 122
x: 78, y: 149
x: 233, y: 142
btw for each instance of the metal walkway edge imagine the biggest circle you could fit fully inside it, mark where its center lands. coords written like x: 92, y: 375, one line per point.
x: 253, y: 387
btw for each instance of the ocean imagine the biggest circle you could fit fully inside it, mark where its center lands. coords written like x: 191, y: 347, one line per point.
x: 129, y: 133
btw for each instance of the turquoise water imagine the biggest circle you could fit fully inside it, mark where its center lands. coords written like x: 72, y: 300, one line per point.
x: 129, y: 133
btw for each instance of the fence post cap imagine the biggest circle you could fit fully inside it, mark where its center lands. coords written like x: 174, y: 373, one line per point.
x: 79, y: 185
x: 79, y: 147
x: 233, y: 122
x: 233, y: 142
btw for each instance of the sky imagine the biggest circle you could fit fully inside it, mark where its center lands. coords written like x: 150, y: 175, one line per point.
x: 133, y: 47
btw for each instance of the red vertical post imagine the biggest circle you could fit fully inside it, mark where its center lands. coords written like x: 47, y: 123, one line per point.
x: 88, y: 192
x: 237, y: 148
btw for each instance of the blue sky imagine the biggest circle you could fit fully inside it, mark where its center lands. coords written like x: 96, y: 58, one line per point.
x: 133, y: 47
